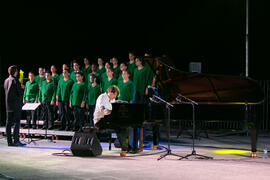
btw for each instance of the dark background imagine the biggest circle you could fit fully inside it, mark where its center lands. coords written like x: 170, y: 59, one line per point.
x: 208, y: 31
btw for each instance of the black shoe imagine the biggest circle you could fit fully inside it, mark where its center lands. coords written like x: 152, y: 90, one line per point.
x: 34, y: 127
x: 19, y: 144
x: 44, y: 127
x: 11, y: 144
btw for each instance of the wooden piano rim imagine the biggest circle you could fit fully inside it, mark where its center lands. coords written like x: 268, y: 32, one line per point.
x: 221, y: 103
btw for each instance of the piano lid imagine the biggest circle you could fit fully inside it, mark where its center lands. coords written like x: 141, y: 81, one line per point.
x: 205, y: 88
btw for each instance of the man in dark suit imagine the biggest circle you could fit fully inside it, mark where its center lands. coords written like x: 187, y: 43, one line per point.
x: 13, y: 99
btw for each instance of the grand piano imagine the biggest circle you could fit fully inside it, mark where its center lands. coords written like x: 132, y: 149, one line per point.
x: 223, y: 94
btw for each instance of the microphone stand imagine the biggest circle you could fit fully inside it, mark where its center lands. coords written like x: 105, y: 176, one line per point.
x: 169, y: 151
x: 193, y: 153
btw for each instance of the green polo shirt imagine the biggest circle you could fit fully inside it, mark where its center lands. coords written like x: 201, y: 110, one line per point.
x: 47, y: 92
x: 78, y: 94
x: 103, y: 78
x: 120, y: 79
x: 55, y: 80
x: 31, y: 91
x: 93, y: 93
x: 63, y: 90
x: 108, y: 83
x: 131, y: 68
x: 62, y: 77
x: 127, y: 91
x: 86, y: 71
x: 102, y: 70
x: 117, y: 72
x: 39, y: 80
x: 73, y: 76
x: 142, y: 78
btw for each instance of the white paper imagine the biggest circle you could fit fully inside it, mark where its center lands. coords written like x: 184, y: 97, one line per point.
x: 30, y: 106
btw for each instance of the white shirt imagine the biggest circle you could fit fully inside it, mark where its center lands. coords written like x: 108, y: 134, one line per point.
x: 103, y: 102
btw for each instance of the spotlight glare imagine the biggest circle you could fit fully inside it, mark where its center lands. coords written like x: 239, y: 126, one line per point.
x: 231, y: 151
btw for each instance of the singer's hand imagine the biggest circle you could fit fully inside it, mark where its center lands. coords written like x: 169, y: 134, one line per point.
x: 70, y: 104
x: 82, y: 104
x: 52, y: 103
x: 146, y: 91
x: 24, y: 101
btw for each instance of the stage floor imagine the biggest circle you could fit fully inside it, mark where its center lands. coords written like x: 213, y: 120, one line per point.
x: 46, y: 160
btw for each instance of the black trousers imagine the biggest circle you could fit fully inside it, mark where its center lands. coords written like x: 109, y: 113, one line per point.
x: 55, y: 115
x: 40, y: 113
x: 122, y: 133
x: 31, y: 116
x: 64, y: 113
x: 90, y: 117
x: 48, y: 114
x: 78, y: 113
x: 13, y: 119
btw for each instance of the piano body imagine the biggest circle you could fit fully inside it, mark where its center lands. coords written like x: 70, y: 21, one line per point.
x: 223, y: 94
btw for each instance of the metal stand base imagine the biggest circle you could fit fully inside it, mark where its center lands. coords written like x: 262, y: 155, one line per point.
x: 197, y: 156
x: 169, y: 152
x: 31, y: 140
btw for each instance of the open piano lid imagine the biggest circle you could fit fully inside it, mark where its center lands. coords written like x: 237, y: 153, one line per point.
x: 207, y: 88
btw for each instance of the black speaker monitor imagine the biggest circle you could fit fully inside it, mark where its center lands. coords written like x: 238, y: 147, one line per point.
x: 85, y: 144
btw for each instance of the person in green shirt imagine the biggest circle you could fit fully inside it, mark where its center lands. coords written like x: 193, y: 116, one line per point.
x: 142, y: 78
x: 39, y: 79
x: 76, y: 68
x: 93, y: 92
x: 109, y: 81
x: 47, y: 99
x: 77, y: 101
x: 94, y: 72
x: 72, y: 65
x: 104, y: 76
x: 62, y: 100
x: 131, y: 64
x: 55, y: 79
x: 101, y: 69
x: 87, y: 67
x: 123, y: 67
x: 116, y: 68
x: 127, y: 88
x: 30, y: 95
x: 64, y: 67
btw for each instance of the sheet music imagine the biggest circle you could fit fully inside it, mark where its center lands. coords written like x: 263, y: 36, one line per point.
x: 120, y: 101
x: 30, y: 106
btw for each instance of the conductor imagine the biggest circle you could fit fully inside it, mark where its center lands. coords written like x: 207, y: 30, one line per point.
x: 13, y: 100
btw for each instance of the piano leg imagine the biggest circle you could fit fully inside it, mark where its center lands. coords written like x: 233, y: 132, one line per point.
x: 135, y: 139
x: 141, y: 140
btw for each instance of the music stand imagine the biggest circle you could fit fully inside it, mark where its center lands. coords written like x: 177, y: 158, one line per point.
x: 30, y: 107
x: 193, y: 103
x: 168, y: 149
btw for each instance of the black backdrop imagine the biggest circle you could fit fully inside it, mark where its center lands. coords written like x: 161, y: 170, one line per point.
x: 209, y: 31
